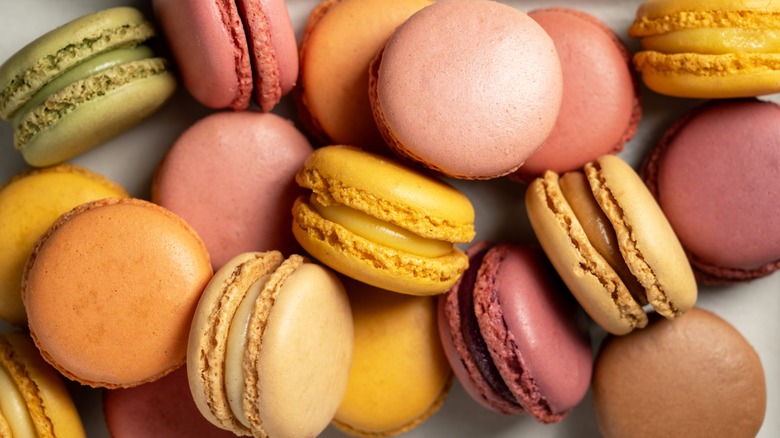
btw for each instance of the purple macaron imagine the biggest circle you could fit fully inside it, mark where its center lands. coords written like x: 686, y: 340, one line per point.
x: 515, y: 339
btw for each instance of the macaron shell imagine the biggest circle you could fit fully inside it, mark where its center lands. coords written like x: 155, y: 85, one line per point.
x: 220, y: 75
x: 48, y: 56
x: 390, y: 191
x: 535, y: 336
x: 86, y: 120
x: 399, y: 375
x: 371, y: 263
x: 724, y: 218
x: 594, y: 283
x: 128, y: 257
x: 229, y: 176
x: 600, y: 110
x: 29, y: 203
x: 504, y: 77
x: 332, y: 96
x: 49, y: 402
x: 302, y: 373
x: 655, y: 9
x: 159, y: 409
x: 689, y: 372
x: 646, y: 239
x: 208, y: 337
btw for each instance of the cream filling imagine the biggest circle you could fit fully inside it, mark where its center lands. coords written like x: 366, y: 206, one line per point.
x: 14, y: 407
x: 234, y: 351
x: 82, y: 71
x: 381, y: 232
x: 715, y: 41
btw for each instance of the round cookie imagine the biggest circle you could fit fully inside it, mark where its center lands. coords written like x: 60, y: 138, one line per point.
x: 611, y: 243
x: 728, y: 215
x: 600, y: 110
x: 29, y: 203
x: 516, y: 340
x: 226, y: 49
x: 697, y: 374
x: 110, y: 291
x: 380, y: 222
x: 270, y: 346
x: 231, y: 176
x: 472, y: 108
x: 159, y: 409
x: 399, y: 375
x: 331, y: 95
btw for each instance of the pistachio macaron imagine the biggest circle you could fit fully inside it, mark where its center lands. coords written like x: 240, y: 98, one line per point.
x: 30, y: 202
x: 399, y: 375
x: 270, y: 346
x: 611, y: 244
x: 380, y: 222
x: 34, y: 401
x: 81, y: 84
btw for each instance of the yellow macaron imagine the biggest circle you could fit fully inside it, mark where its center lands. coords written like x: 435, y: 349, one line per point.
x: 710, y: 48
x: 34, y: 400
x: 400, y: 375
x: 30, y: 202
x: 611, y: 244
x: 382, y: 223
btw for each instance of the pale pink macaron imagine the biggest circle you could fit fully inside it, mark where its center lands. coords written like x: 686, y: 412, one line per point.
x: 470, y: 88
x: 225, y: 49
x: 601, y: 107
x: 231, y: 176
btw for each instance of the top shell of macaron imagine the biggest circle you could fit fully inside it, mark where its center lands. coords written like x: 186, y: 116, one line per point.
x: 55, y: 52
x: 652, y: 17
x: 388, y: 190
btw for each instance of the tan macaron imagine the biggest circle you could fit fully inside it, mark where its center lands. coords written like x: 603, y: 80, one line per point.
x: 611, y: 243
x: 270, y: 346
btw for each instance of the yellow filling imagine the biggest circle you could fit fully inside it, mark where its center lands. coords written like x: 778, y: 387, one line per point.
x: 381, y: 232
x: 715, y: 41
x: 14, y: 407
x: 234, y: 351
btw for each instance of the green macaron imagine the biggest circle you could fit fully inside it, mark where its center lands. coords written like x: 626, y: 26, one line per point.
x: 81, y: 84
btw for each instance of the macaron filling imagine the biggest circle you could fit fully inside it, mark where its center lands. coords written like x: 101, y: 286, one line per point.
x: 234, y: 351
x: 471, y: 333
x: 714, y: 41
x: 379, y: 231
x: 14, y: 408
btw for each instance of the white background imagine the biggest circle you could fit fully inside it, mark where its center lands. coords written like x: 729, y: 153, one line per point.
x: 131, y: 158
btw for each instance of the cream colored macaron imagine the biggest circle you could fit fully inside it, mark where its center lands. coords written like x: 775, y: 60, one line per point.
x: 611, y: 243
x: 270, y: 346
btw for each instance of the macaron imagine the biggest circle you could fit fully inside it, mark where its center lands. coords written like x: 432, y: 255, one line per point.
x: 380, y: 222
x: 399, y: 374
x: 600, y: 110
x: 160, y: 409
x: 516, y: 340
x: 708, y: 48
x: 30, y: 202
x: 229, y: 51
x: 471, y: 108
x: 231, y: 176
x: 110, y: 290
x: 82, y: 84
x: 332, y: 92
x: 728, y: 216
x: 611, y: 244
x: 695, y: 377
x: 34, y: 401
x: 270, y: 346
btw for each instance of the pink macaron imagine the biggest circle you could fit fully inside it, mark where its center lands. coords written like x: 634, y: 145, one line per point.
x: 600, y: 110
x: 159, y: 409
x: 514, y: 337
x: 231, y: 176
x: 715, y: 175
x: 226, y: 49
x: 469, y: 88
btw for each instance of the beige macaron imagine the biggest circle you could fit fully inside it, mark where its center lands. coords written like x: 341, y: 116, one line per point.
x: 270, y: 346
x: 611, y: 243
